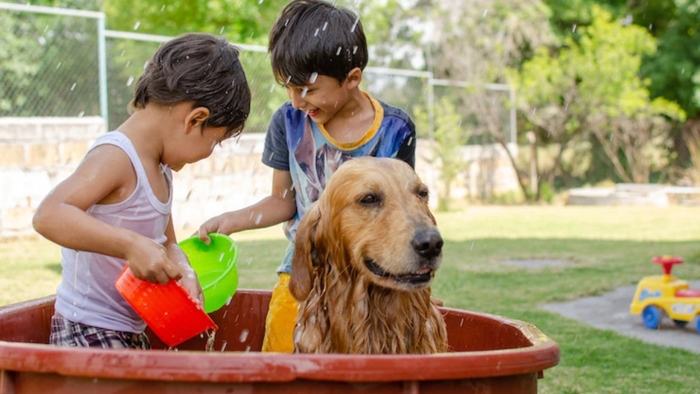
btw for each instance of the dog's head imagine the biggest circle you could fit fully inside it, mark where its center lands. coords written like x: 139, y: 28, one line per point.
x: 371, y: 220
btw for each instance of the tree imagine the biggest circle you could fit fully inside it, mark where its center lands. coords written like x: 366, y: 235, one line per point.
x: 591, y: 87
x: 449, y: 137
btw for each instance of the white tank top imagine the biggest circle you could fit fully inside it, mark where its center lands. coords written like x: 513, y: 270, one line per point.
x: 86, y: 293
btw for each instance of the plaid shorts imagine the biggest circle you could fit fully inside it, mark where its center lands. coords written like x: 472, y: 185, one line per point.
x: 67, y: 333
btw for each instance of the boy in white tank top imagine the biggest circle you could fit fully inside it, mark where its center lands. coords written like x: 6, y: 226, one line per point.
x: 115, y: 208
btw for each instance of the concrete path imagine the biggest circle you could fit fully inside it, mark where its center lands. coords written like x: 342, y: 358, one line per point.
x: 610, y: 311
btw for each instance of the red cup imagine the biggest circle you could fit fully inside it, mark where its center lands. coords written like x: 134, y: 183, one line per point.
x: 167, y: 309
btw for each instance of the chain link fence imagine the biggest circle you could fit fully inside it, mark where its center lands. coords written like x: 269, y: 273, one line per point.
x: 58, y: 62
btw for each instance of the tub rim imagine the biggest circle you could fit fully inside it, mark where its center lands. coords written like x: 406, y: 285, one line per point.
x: 230, y: 366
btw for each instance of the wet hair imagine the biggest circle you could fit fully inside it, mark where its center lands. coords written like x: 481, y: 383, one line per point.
x: 314, y: 37
x: 202, y: 69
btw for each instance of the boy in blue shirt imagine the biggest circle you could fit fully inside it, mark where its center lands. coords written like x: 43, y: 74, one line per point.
x: 318, y: 52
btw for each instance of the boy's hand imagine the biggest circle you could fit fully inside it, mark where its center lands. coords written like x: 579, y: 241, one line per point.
x: 190, y: 282
x: 213, y: 225
x: 149, y: 260
x: 189, y: 278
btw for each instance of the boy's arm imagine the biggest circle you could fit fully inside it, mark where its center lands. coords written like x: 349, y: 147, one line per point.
x: 106, y: 174
x: 276, y: 208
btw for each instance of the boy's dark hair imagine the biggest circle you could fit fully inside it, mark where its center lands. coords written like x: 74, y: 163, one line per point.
x: 200, y: 68
x: 314, y: 36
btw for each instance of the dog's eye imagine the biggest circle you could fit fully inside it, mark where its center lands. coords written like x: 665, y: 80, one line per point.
x: 370, y: 199
x: 423, y: 194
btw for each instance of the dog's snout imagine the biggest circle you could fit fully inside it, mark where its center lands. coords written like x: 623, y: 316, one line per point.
x: 428, y: 243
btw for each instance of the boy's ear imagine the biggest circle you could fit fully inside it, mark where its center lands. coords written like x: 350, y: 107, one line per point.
x: 196, y: 118
x: 354, y: 78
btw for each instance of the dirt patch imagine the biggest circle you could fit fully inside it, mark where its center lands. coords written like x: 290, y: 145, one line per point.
x: 610, y: 311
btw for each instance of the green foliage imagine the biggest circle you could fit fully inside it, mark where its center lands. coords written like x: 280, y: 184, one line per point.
x: 449, y: 136
x: 673, y: 71
x: 241, y: 21
x: 591, y: 86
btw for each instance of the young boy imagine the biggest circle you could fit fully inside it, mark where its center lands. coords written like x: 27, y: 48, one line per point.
x: 115, y: 208
x: 318, y: 52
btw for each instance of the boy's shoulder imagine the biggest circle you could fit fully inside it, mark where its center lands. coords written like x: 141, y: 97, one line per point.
x: 390, y: 110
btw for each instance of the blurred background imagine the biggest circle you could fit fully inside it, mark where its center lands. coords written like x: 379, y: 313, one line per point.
x: 515, y: 101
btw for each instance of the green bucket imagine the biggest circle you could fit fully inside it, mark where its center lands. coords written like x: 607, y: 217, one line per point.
x: 215, y: 265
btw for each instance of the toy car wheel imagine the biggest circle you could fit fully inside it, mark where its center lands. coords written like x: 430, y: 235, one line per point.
x: 680, y: 323
x: 651, y: 317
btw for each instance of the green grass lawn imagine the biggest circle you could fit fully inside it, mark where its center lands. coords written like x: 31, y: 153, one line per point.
x: 607, y: 247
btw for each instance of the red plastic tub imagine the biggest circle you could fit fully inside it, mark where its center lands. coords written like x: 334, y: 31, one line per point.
x: 489, y: 354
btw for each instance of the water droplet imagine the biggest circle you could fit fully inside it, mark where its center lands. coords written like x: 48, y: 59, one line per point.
x: 338, y: 51
x: 136, y: 26
x: 354, y: 25
x: 129, y: 81
x: 244, y: 336
x: 72, y: 88
x: 304, y: 91
x: 314, y: 76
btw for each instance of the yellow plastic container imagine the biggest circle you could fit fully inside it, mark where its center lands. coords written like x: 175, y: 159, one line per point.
x: 215, y: 265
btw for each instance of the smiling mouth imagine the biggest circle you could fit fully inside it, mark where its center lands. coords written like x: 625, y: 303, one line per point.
x: 422, y: 275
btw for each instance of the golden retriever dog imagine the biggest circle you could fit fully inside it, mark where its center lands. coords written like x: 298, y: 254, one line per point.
x: 365, y: 255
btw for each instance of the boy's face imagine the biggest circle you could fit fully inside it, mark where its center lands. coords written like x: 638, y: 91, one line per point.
x: 199, y: 145
x: 321, y: 98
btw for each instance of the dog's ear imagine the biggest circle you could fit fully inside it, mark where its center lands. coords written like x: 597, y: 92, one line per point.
x: 304, y: 251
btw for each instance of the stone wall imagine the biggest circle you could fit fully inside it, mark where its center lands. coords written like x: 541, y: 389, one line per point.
x: 38, y: 153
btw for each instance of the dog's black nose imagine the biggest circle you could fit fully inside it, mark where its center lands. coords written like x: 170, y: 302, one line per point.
x: 428, y: 243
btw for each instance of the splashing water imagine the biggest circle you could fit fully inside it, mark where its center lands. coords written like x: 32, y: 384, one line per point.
x: 136, y: 26
x: 129, y: 81
x: 354, y: 25
x: 313, y: 77
x: 244, y: 336
x: 304, y: 91
x: 210, y: 341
